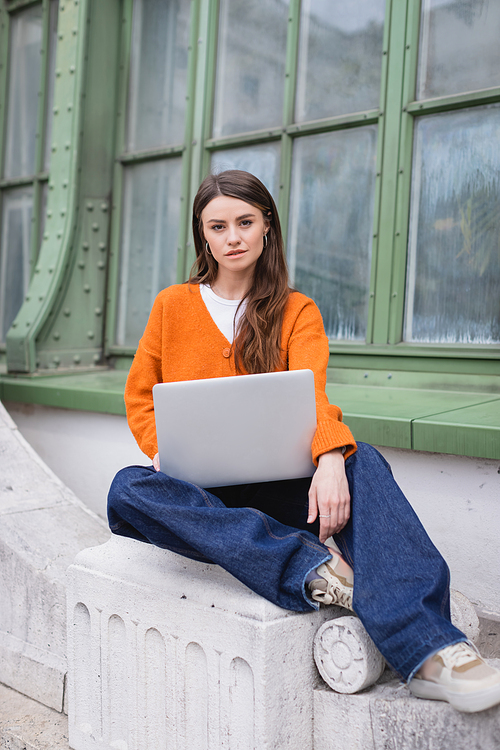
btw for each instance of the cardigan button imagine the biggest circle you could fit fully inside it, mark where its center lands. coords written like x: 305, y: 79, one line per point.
x: 226, y: 352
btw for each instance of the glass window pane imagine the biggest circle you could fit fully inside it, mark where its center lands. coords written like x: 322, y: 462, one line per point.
x: 158, y: 74
x: 23, y: 87
x: 340, y: 57
x: 148, y: 258
x: 459, y: 48
x: 331, y: 215
x: 263, y: 161
x: 453, y: 279
x: 17, y: 211
x: 250, y: 65
x: 50, y: 80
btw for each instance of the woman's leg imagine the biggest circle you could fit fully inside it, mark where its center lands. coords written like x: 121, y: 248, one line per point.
x: 271, y: 558
x: 401, y: 582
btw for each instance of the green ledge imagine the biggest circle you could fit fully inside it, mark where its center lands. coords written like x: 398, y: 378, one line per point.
x: 460, y: 422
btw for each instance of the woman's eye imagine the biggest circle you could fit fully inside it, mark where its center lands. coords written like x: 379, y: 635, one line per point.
x: 246, y: 222
x: 216, y: 227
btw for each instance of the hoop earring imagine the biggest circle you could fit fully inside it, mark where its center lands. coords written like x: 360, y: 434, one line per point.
x: 207, y: 248
x: 265, y: 241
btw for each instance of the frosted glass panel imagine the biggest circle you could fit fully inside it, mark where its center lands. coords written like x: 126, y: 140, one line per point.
x: 262, y: 161
x: 148, y: 257
x: 158, y: 74
x: 331, y: 214
x: 17, y: 210
x: 23, y: 87
x: 453, y: 287
x: 51, y: 77
x: 250, y: 65
x: 459, y: 49
x: 340, y: 57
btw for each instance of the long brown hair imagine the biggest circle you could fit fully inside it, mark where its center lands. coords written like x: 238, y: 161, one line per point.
x: 258, y: 338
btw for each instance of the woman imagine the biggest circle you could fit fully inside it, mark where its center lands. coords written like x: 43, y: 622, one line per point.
x: 237, y: 315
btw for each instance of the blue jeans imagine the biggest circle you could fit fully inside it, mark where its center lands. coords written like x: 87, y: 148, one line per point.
x: 259, y: 534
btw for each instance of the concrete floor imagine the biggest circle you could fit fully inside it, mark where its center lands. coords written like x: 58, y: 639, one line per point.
x: 28, y: 725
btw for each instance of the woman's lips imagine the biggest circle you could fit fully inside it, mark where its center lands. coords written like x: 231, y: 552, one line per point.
x: 232, y: 253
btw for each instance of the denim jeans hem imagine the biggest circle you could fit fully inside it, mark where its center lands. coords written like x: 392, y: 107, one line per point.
x: 423, y: 652
x: 311, y: 602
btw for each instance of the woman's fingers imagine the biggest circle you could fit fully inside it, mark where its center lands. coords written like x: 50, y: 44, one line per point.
x: 156, y: 462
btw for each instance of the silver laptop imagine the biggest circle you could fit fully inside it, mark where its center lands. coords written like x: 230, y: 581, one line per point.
x: 237, y: 430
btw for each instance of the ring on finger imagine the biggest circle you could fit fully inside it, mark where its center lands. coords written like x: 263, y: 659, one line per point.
x: 327, y: 516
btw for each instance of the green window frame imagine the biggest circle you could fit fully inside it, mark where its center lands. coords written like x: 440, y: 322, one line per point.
x: 37, y: 181
x: 395, y: 117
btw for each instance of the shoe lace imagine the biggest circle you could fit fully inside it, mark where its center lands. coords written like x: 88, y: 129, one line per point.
x: 458, y: 654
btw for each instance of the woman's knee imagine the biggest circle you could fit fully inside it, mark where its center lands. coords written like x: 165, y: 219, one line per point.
x: 122, y: 484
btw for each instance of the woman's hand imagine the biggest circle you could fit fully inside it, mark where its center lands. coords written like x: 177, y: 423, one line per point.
x: 329, y: 495
x: 156, y: 462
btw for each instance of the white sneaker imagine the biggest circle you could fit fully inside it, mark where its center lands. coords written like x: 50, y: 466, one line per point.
x: 459, y: 675
x: 335, y: 584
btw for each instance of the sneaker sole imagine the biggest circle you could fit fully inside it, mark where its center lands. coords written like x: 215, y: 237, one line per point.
x: 479, y: 700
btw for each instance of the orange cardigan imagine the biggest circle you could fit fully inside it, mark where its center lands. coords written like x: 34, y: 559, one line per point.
x: 182, y: 342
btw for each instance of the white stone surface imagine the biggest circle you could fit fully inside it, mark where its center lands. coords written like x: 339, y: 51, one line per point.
x: 388, y: 717
x: 164, y: 651
x: 464, y: 616
x: 84, y: 449
x: 42, y: 527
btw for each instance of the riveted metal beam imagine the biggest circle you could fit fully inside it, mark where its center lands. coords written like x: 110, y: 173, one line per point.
x: 81, y: 165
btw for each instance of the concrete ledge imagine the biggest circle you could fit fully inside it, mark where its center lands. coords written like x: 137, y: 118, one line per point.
x: 388, y: 717
x: 165, y: 651
x: 43, y: 526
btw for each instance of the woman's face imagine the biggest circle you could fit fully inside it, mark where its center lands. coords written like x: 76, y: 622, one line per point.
x: 235, y: 233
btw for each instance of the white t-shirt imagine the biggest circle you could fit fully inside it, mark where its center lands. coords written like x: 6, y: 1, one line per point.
x: 223, y: 311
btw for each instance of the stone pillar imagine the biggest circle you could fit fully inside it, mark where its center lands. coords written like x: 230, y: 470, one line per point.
x: 164, y: 652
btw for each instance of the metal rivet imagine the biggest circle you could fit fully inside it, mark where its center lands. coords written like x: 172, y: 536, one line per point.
x: 389, y: 376
x: 56, y: 361
x: 56, y: 336
x: 59, y: 235
x: 90, y: 334
x: 28, y: 324
x: 41, y: 298
x: 67, y: 146
x: 58, y: 73
x: 60, y: 37
x: 86, y: 288
x: 71, y: 68
x: 56, y: 110
x: 85, y: 245
x: 63, y: 212
x: 74, y: 32
x: 51, y: 186
x: 70, y: 107
x: 46, y: 236
x: 394, y: 294
x: 104, y: 207
x: 77, y: 359
x: 366, y: 375
x: 372, y: 294
x: 54, y: 147
x: 102, y: 246
x: 49, y: 214
x: 90, y: 206
x: 51, y: 270
x: 81, y: 264
x: 65, y: 183
x: 67, y: 312
x: 96, y: 358
x: 101, y: 264
x: 95, y: 227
